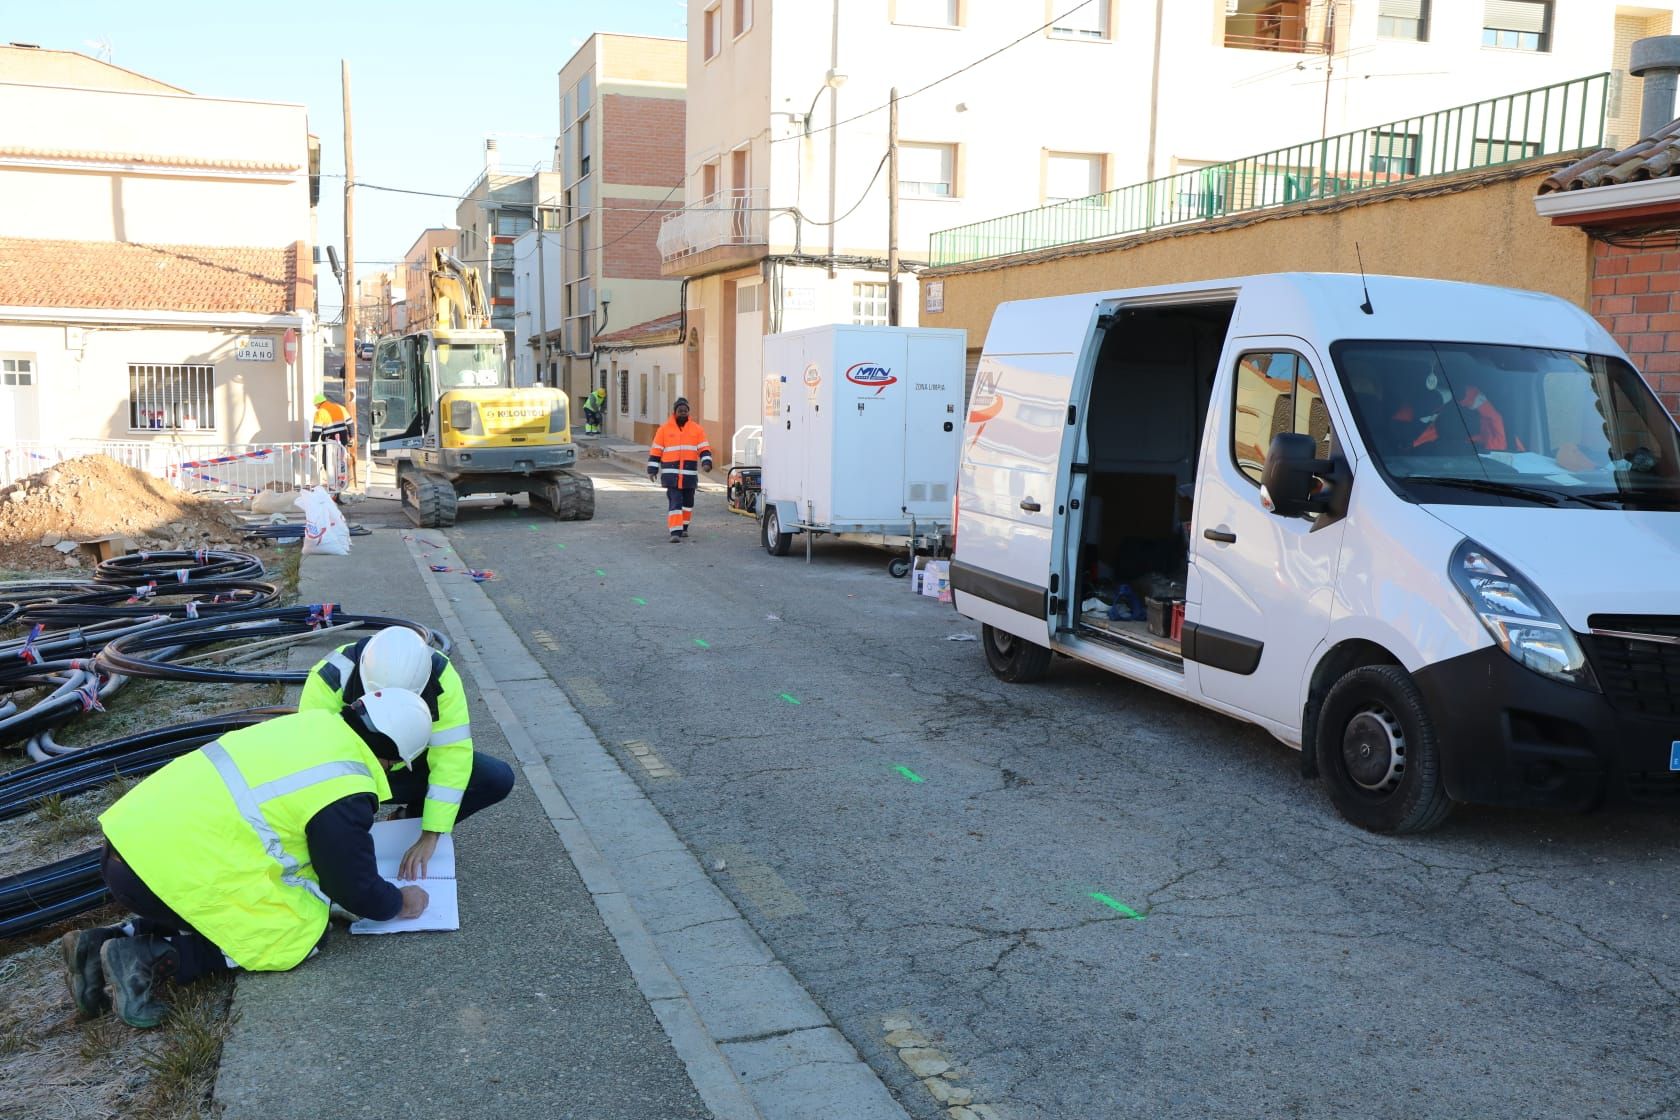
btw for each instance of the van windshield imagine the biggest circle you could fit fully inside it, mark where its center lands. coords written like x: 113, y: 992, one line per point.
x: 1453, y: 422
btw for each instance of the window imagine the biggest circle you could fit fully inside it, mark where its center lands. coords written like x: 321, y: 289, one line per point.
x: 1268, y: 25
x: 624, y: 392
x: 1485, y: 152
x: 503, y: 281
x: 511, y: 223
x: 17, y: 371
x: 1518, y: 25
x: 925, y: 13
x: 585, y: 148
x: 924, y: 170
x: 869, y: 303
x: 174, y: 398
x: 713, y: 18
x: 1089, y: 22
x: 1276, y: 392
x: 709, y: 179
x: 1071, y: 175
x: 582, y: 247
x: 1403, y: 19
x: 743, y: 17
x: 1394, y: 153
x: 641, y: 393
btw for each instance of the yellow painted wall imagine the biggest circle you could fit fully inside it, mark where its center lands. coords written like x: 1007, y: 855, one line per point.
x: 1485, y: 233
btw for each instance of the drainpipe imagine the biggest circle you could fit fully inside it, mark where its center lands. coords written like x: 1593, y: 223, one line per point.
x: 1657, y: 60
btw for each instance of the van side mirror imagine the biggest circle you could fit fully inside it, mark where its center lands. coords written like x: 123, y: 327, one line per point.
x: 1289, y: 484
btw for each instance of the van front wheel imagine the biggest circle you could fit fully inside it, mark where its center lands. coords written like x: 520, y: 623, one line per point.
x: 1378, y: 752
x: 1014, y: 659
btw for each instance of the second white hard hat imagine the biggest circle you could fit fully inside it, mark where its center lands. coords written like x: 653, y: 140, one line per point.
x: 402, y: 717
x: 396, y: 657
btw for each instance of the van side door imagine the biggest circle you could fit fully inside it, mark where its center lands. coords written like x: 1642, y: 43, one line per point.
x: 1007, y: 488
x: 1262, y: 585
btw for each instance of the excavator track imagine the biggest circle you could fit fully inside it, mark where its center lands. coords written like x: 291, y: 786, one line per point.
x: 567, y: 496
x: 427, y: 500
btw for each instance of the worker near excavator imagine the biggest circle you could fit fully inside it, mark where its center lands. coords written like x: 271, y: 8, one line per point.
x: 594, y: 409
x: 331, y: 424
x: 449, y: 781
x: 232, y: 856
x: 678, y: 454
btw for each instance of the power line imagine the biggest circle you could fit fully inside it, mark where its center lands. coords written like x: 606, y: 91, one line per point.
x: 1039, y: 30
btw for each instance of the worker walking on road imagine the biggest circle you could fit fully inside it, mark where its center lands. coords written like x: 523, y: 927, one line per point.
x: 231, y: 856
x: 678, y: 454
x: 450, y: 781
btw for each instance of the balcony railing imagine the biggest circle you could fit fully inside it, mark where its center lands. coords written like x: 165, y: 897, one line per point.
x: 732, y: 217
x: 1540, y: 122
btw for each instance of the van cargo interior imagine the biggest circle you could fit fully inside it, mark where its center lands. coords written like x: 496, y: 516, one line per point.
x: 1148, y: 405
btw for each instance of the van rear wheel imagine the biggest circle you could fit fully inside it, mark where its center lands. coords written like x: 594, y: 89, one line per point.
x: 1378, y: 752
x: 1014, y: 659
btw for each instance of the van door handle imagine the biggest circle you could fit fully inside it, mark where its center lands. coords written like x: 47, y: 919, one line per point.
x: 1222, y: 535
x: 1030, y: 506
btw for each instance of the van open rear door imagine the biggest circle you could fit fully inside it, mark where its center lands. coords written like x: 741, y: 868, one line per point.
x: 1012, y: 465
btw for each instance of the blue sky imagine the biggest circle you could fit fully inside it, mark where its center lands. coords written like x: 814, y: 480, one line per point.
x: 491, y: 67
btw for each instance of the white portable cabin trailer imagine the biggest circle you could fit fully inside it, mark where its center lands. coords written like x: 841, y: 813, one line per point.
x: 861, y: 426
x: 1428, y: 532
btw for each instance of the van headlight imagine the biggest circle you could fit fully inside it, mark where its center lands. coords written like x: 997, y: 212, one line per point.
x: 1521, y: 620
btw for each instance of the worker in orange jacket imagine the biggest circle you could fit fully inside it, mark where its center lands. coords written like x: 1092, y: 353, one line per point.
x: 678, y: 454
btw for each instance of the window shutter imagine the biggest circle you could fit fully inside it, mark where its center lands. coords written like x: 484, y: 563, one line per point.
x: 1401, y: 9
x: 1516, y: 15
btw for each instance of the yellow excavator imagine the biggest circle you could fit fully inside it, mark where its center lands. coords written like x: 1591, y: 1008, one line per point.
x: 445, y: 412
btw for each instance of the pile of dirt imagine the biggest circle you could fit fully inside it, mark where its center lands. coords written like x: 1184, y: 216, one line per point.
x: 96, y: 496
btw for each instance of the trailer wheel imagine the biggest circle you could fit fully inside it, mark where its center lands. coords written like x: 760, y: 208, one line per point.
x: 898, y: 567
x: 1014, y: 659
x: 1378, y: 752
x: 776, y: 542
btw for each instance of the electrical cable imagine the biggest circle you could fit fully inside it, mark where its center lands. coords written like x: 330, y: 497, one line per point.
x: 180, y: 567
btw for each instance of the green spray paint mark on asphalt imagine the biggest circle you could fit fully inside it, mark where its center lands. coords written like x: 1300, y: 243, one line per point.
x: 702, y: 643
x: 560, y: 546
x: 1114, y: 904
x: 638, y: 600
x: 789, y: 698
x: 909, y: 774
x: 600, y: 571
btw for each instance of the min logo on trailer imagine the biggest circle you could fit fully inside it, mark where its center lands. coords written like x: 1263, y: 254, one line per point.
x: 870, y: 375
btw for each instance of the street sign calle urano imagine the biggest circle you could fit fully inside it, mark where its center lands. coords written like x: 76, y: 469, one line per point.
x: 255, y: 350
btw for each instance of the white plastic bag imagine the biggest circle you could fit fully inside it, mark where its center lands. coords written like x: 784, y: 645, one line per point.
x: 324, y: 530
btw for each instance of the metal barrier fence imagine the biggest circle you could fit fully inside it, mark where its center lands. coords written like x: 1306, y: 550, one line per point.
x: 1564, y: 117
x: 230, y: 472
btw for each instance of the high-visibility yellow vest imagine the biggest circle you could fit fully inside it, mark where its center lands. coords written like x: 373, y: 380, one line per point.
x: 449, y: 751
x: 218, y: 834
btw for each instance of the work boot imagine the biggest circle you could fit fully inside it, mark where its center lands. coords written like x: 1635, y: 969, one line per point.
x: 82, y: 971
x: 138, y: 968
x: 676, y: 538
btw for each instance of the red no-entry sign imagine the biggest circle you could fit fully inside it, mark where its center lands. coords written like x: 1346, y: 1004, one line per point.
x: 290, y: 345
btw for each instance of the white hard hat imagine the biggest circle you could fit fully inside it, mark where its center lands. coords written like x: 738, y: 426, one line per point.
x: 396, y: 657
x: 402, y: 717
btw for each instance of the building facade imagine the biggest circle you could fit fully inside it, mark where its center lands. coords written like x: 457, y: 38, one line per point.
x: 416, y: 309
x: 787, y: 129
x: 620, y: 163
x: 495, y: 211
x: 156, y: 277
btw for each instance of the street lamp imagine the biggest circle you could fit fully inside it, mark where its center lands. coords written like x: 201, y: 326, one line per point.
x: 834, y: 79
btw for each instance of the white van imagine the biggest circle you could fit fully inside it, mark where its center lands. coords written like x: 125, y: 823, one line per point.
x: 1427, y: 532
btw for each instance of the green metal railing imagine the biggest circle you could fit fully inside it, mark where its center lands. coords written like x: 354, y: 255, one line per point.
x: 1557, y: 118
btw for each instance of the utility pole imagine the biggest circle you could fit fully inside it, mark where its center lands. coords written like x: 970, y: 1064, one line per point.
x: 350, y: 358
x: 892, y: 208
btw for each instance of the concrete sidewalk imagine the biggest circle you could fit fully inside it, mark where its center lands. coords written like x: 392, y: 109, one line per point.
x: 528, y: 1010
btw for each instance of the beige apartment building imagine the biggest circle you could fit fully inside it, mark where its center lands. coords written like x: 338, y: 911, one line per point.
x: 787, y: 130
x: 415, y: 310
x: 156, y: 280
x: 619, y: 161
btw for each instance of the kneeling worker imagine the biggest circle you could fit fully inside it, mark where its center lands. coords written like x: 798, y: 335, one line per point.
x: 451, y: 781
x: 230, y: 856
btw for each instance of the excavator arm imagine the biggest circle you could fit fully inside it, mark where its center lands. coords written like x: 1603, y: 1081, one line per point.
x: 457, y: 295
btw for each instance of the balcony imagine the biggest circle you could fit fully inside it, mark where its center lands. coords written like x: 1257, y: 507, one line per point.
x: 1553, y: 120
x: 723, y: 231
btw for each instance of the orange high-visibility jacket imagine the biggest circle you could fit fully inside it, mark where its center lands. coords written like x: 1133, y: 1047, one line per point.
x: 332, y: 421
x: 678, y: 453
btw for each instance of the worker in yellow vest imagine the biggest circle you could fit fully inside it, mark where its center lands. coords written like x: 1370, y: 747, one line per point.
x: 231, y: 856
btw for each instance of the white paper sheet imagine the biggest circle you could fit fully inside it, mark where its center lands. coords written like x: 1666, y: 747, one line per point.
x: 390, y: 840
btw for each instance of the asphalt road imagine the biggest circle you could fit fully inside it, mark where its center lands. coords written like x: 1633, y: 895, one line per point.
x: 1281, y: 963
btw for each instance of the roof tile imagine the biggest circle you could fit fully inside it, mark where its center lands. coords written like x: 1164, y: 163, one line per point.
x: 124, y: 276
x: 1654, y: 157
x: 666, y: 324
